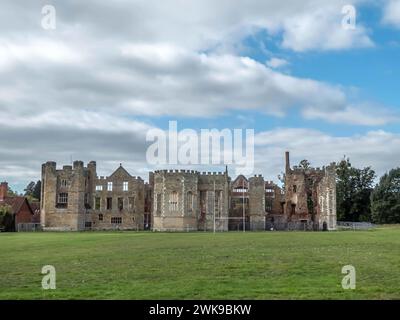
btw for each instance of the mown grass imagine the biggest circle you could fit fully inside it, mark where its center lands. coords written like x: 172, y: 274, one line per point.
x: 264, y: 265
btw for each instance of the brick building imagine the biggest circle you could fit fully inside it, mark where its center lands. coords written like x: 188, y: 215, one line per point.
x: 19, y: 208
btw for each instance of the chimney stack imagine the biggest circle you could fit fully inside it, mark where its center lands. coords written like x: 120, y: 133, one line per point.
x: 3, y: 191
x: 287, y: 162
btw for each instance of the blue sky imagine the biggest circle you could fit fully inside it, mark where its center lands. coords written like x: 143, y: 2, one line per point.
x: 372, y: 72
x: 92, y: 87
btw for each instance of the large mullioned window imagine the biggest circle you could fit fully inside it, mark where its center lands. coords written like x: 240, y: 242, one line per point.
x: 173, y: 201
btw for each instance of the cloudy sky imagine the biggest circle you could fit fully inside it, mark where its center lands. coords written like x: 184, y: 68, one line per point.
x: 92, y: 87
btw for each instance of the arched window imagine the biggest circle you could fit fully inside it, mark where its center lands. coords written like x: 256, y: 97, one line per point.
x: 173, y: 201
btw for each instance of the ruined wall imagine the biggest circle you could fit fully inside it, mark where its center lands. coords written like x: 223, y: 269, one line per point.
x: 119, y: 206
x: 257, y: 203
x: 185, y: 200
x: 175, y: 204
x: 327, y: 199
x: 73, y: 181
x: 310, y: 196
x: 239, y: 199
x: 220, y: 183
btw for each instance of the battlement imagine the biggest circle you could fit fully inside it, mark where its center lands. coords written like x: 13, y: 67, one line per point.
x: 52, y: 166
x: 308, y: 171
x: 106, y: 178
x: 194, y: 172
x: 175, y: 172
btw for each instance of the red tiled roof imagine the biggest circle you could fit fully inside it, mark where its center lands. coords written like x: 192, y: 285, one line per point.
x: 15, y: 203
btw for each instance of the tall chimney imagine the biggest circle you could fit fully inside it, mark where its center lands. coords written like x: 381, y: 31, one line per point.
x: 3, y: 191
x: 287, y: 162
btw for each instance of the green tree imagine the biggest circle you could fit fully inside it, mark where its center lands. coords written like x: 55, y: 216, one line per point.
x: 37, y: 190
x: 353, y: 191
x: 304, y: 164
x: 6, y: 218
x: 32, y: 191
x: 385, y: 199
x: 11, y: 193
x: 29, y: 189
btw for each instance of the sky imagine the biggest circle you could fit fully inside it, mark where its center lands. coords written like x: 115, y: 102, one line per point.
x: 93, y: 84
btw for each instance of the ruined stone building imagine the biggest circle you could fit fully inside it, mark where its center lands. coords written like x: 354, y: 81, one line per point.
x: 75, y: 198
x: 310, y: 196
x: 254, y: 201
x: 188, y: 200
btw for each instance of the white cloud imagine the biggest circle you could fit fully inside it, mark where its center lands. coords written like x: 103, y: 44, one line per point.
x: 391, y: 13
x: 162, y: 79
x: 362, y: 114
x: 276, y: 63
x: 377, y: 149
x: 320, y: 28
x: 78, y: 90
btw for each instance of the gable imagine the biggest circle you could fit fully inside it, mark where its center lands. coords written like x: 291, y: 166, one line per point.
x: 120, y: 173
x: 18, y: 204
x: 240, y: 181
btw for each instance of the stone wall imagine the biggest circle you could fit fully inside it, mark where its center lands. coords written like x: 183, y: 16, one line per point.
x: 118, y: 202
x: 73, y: 181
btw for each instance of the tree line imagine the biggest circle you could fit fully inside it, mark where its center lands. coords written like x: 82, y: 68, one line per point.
x: 360, y: 198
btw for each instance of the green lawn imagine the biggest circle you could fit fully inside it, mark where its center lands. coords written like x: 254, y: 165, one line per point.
x: 265, y: 265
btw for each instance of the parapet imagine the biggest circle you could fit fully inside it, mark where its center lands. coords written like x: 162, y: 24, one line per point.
x: 78, y: 164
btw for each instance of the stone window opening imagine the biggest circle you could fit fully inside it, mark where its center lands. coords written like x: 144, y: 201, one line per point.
x: 190, y: 201
x: 125, y: 186
x: 132, y: 204
x: 64, y: 183
x: 62, y: 201
x: 268, y: 204
x: 158, y: 203
x: 97, y: 203
x: 173, y: 201
x: 101, y: 217
x: 295, y: 189
x: 270, y: 192
x: 109, y: 186
x: 99, y: 188
x: 121, y: 204
x: 116, y: 220
x: 109, y: 203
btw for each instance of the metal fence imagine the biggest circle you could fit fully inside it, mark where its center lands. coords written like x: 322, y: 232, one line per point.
x: 29, y: 227
x: 292, y: 226
x: 348, y: 225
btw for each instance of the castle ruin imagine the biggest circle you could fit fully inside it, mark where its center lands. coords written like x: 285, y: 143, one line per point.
x: 75, y: 198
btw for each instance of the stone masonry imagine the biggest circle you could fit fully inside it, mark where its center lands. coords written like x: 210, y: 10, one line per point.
x: 75, y: 198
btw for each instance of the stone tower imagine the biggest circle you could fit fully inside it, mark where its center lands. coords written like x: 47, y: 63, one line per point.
x: 186, y: 200
x: 175, y: 200
x: 65, y: 196
x: 257, y: 203
x: 310, y: 196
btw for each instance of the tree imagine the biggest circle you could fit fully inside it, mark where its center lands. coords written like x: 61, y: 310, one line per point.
x: 37, y: 190
x: 304, y: 164
x: 12, y: 193
x: 32, y: 190
x: 385, y: 199
x: 6, y: 218
x: 353, y: 191
x: 29, y: 189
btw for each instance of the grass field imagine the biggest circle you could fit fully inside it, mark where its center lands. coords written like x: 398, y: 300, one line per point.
x: 267, y: 265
